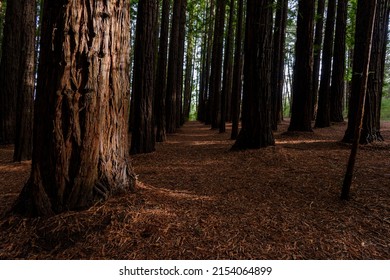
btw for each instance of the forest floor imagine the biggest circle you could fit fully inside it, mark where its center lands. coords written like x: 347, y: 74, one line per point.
x: 198, y: 200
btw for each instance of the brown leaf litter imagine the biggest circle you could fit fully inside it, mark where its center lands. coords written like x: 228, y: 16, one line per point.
x: 198, y: 200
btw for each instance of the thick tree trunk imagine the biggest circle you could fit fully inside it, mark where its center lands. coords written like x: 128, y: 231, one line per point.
x: 25, y: 93
x: 161, y: 78
x: 237, y: 72
x: 339, y: 61
x: 301, y: 114
x: 319, y: 29
x: 216, y: 66
x: 9, y: 71
x: 256, y: 129
x: 80, y: 149
x: 143, y: 136
x: 323, y: 114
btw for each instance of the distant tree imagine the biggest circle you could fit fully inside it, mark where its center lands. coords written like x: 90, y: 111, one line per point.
x: 227, y: 69
x: 161, y: 76
x: 323, y: 113
x: 256, y: 131
x: 216, y: 65
x: 25, y: 88
x: 339, y: 64
x: 277, y: 76
x: 143, y: 135
x: 80, y: 146
x: 301, y: 113
x: 237, y: 72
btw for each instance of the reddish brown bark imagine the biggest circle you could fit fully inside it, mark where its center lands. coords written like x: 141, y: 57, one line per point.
x: 80, y: 149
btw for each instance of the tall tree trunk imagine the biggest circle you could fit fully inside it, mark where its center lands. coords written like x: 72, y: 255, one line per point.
x: 277, y: 76
x: 216, y: 66
x: 25, y: 93
x: 173, y: 65
x: 323, y: 114
x: 180, y: 69
x: 359, y: 85
x: 227, y: 77
x: 319, y: 29
x: 210, y: 44
x: 143, y: 136
x: 161, y: 77
x: 302, y: 89
x: 371, y: 125
x: 188, y: 77
x: 9, y: 71
x: 256, y: 131
x: 339, y: 62
x: 80, y: 146
x: 237, y: 72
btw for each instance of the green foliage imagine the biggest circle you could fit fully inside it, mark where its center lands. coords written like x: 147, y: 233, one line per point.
x: 385, y: 111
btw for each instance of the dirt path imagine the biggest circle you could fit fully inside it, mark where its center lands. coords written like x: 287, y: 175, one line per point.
x: 197, y: 200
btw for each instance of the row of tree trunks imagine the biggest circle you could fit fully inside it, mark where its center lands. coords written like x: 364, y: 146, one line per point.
x: 80, y: 127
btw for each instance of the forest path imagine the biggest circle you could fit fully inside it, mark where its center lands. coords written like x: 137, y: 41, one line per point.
x: 198, y: 200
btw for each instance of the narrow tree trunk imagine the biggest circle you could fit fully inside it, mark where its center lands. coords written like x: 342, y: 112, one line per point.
x: 256, y: 131
x: 319, y: 28
x: 25, y: 93
x: 211, y: 38
x: 227, y: 77
x: 323, y: 114
x: 180, y: 69
x: 216, y: 66
x: 161, y: 78
x: 277, y: 76
x: 80, y: 149
x: 302, y: 89
x: 339, y: 61
x: 188, y: 77
x: 237, y: 71
x: 365, y: 19
x: 143, y: 136
x: 172, y: 80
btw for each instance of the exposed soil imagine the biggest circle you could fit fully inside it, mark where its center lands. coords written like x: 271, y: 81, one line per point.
x: 198, y: 200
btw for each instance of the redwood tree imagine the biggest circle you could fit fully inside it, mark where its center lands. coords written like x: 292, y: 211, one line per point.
x: 237, y: 71
x: 80, y: 146
x: 143, y: 136
x: 339, y: 62
x: 323, y: 113
x: 303, y: 69
x: 9, y: 70
x: 256, y: 131
x: 161, y: 78
x: 25, y: 92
